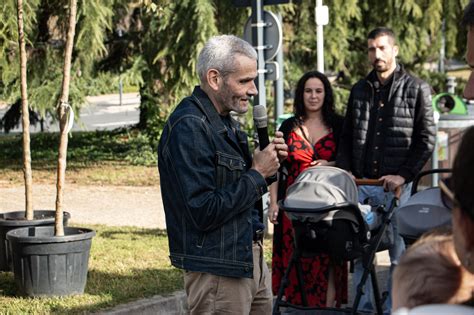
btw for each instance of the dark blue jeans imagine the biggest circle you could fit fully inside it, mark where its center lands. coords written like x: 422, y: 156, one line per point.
x: 379, y: 197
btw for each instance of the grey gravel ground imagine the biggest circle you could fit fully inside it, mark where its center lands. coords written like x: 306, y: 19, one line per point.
x: 109, y: 205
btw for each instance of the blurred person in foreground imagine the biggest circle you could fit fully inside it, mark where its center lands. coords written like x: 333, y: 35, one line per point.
x: 461, y: 193
x: 430, y: 272
x: 212, y: 187
x: 457, y: 194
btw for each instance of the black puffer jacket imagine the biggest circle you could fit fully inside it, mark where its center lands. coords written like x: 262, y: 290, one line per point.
x: 408, y: 127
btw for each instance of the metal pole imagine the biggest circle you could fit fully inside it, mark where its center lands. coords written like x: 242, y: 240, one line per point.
x: 257, y: 40
x: 120, y: 90
x: 120, y: 34
x: 451, y: 84
x: 278, y: 85
x: 319, y: 40
x: 434, y: 157
x: 442, y: 49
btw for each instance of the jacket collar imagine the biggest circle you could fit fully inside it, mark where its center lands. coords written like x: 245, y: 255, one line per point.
x: 397, y: 75
x: 204, y: 103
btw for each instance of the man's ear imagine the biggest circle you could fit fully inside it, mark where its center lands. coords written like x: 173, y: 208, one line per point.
x: 395, y: 50
x: 213, y: 79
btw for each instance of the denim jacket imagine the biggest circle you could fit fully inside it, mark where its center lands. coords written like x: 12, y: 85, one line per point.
x: 208, y: 190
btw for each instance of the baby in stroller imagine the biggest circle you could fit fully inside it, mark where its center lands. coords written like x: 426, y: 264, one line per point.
x: 323, y: 206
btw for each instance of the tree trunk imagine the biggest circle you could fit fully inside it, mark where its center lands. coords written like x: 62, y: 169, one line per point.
x: 25, y: 117
x: 63, y: 113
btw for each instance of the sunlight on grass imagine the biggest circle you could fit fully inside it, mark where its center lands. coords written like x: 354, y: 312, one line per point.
x: 100, y: 174
x: 120, y: 157
x: 126, y: 264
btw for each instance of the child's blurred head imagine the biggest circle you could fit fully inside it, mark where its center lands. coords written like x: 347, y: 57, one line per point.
x: 430, y: 273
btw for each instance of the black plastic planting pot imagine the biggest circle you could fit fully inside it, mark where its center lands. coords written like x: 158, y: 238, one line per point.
x: 16, y: 219
x: 48, y: 265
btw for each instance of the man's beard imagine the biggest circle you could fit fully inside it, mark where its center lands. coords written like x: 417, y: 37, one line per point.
x: 230, y: 103
x: 380, y: 66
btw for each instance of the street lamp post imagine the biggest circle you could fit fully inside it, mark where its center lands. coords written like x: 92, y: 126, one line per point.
x: 120, y: 34
x: 321, y: 15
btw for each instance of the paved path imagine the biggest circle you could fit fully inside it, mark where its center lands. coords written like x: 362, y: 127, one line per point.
x: 110, y: 205
x: 103, y: 112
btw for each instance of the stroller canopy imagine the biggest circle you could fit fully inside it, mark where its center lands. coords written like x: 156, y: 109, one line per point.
x: 317, y: 188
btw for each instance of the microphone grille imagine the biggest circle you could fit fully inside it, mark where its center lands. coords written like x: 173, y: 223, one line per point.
x: 260, y: 116
x: 259, y: 111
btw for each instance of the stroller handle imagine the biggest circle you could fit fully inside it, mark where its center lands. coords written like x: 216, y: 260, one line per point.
x: 376, y: 182
x: 368, y: 182
x: 416, y: 180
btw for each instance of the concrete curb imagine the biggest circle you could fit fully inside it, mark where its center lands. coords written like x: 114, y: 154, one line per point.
x: 157, y: 305
x: 176, y: 304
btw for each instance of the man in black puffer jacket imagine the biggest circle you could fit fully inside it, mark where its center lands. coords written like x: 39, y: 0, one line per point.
x: 388, y: 132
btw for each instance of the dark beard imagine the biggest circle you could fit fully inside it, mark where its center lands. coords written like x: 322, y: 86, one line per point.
x: 380, y: 67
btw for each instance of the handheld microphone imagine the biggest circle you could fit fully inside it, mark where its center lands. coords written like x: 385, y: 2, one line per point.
x: 261, y: 122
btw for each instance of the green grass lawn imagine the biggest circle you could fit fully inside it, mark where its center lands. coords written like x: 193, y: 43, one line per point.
x: 119, y: 157
x: 126, y: 264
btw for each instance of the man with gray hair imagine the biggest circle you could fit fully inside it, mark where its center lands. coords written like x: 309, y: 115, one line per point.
x: 212, y: 187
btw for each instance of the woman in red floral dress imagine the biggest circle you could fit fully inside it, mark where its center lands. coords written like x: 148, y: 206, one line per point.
x: 311, y: 136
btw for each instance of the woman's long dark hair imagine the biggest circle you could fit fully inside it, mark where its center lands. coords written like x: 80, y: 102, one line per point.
x: 328, y: 104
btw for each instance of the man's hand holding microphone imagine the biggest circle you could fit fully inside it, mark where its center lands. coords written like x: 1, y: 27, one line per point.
x: 267, y: 161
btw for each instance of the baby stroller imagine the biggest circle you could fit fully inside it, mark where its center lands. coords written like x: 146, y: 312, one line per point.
x: 322, y: 205
x: 423, y: 211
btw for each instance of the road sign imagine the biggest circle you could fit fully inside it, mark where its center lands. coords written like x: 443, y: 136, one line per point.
x: 273, y: 34
x: 248, y: 3
x: 322, y: 15
x: 272, y: 71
